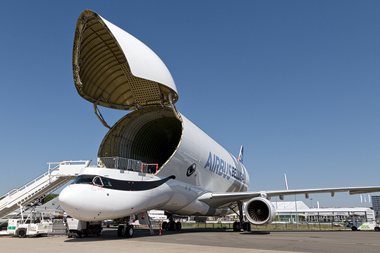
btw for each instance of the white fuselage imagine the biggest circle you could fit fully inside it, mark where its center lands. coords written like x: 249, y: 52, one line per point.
x: 197, y: 165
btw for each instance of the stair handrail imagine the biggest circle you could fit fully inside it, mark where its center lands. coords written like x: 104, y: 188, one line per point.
x: 32, y: 181
x: 15, y: 190
x: 5, y: 194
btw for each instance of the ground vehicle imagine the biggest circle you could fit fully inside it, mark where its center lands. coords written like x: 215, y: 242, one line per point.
x: 369, y: 226
x: 34, y: 224
x: 358, y: 223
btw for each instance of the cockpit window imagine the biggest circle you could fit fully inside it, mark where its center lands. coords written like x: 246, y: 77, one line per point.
x: 83, y: 179
x: 106, y: 182
x: 91, y: 179
x: 97, y: 181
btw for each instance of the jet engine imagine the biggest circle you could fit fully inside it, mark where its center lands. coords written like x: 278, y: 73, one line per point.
x: 260, y: 211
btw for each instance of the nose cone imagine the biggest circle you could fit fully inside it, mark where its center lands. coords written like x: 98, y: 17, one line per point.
x: 71, y: 199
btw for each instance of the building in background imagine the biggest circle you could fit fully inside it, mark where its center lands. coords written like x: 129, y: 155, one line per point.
x: 288, y: 211
x: 376, y: 205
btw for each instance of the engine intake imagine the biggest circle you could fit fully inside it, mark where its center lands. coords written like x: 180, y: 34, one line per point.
x: 260, y: 211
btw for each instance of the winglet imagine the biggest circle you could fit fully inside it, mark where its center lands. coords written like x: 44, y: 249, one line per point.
x: 240, y: 159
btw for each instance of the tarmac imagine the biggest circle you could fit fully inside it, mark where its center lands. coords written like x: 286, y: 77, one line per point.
x: 201, y: 240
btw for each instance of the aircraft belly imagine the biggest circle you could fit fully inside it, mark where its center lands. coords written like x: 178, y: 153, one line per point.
x: 183, y: 195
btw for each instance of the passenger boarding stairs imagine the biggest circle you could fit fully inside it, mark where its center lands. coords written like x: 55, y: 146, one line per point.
x: 48, y: 182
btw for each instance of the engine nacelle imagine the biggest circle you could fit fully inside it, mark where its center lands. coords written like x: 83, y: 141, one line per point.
x: 260, y: 211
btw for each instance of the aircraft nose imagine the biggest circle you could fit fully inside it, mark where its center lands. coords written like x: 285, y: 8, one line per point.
x: 71, y: 199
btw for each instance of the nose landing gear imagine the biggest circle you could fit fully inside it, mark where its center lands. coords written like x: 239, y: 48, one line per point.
x: 125, y: 231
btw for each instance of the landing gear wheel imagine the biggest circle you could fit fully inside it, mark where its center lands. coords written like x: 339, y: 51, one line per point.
x: 178, y: 226
x: 129, y: 233
x: 171, y: 225
x: 121, y: 231
x: 164, y: 226
x: 236, y: 226
x: 247, y: 226
x: 22, y: 232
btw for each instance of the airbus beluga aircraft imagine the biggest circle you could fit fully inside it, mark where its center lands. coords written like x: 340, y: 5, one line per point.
x: 153, y: 157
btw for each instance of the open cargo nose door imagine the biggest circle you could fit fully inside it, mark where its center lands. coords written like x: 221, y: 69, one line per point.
x: 113, y: 69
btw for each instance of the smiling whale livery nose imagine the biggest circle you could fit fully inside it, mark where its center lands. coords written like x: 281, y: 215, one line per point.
x: 93, y: 197
x: 71, y: 199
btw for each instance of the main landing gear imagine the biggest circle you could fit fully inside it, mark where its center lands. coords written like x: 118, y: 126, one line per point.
x: 240, y: 225
x: 125, y: 231
x: 171, y: 225
x: 237, y: 227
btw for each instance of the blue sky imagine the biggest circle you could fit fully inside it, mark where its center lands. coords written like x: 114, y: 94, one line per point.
x: 295, y: 82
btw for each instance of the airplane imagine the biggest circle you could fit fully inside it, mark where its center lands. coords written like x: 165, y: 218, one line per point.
x: 192, y: 174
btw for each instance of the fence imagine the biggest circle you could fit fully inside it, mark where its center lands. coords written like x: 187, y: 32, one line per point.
x: 273, y: 226
x: 122, y: 163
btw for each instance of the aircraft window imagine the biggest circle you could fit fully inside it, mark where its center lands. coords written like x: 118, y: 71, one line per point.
x: 76, y: 180
x: 106, y: 182
x: 83, y: 179
x: 97, y: 181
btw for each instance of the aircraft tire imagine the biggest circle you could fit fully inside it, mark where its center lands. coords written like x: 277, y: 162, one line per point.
x: 129, y: 232
x: 247, y: 226
x: 164, y: 226
x: 236, y: 226
x: 178, y: 226
x: 121, y: 231
x: 171, y: 225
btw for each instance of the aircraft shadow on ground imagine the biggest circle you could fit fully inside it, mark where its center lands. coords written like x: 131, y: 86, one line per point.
x: 111, y: 234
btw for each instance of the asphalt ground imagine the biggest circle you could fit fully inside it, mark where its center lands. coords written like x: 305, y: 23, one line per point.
x: 193, y: 240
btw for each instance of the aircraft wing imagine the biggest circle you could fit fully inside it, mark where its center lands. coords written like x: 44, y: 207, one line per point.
x: 224, y: 199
